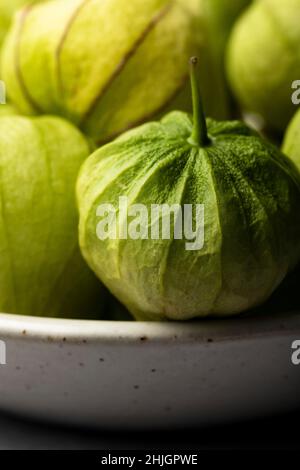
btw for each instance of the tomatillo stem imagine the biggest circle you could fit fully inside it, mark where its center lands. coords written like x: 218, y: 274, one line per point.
x: 199, y: 135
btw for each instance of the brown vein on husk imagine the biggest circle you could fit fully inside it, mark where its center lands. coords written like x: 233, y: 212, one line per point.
x: 17, y: 63
x: 124, y: 61
x: 61, y: 43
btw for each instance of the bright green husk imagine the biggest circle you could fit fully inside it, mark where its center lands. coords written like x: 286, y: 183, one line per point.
x: 7, y: 10
x: 42, y: 270
x: 291, y: 144
x: 106, y: 65
x: 251, y: 197
x: 264, y: 59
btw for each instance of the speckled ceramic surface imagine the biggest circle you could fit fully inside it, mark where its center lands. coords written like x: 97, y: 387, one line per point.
x: 143, y: 375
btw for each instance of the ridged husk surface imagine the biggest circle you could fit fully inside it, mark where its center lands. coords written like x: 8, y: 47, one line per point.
x: 42, y: 270
x: 105, y: 65
x: 251, y: 196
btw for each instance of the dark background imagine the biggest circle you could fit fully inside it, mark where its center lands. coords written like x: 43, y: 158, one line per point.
x: 278, y: 433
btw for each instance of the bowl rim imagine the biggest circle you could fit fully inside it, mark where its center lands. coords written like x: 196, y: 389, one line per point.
x: 59, y: 330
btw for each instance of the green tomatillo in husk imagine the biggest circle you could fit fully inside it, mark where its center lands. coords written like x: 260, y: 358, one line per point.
x: 264, y: 60
x: 105, y: 65
x: 243, y: 199
x: 42, y: 270
x: 218, y: 18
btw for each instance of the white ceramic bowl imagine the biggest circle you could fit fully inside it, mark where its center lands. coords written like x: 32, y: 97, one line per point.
x: 146, y: 375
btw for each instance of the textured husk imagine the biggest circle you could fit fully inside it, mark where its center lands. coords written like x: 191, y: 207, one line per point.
x: 109, y: 66
x: 251, y: 196
x: 105, y: 65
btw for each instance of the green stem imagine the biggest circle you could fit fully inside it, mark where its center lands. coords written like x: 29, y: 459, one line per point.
x: 199, y: 135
